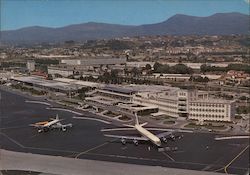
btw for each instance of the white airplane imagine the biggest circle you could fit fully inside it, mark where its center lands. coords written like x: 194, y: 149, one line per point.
x: 146, y: 135
x: 54, y: 123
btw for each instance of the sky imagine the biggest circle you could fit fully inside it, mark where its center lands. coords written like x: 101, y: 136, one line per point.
x: 16, y: 14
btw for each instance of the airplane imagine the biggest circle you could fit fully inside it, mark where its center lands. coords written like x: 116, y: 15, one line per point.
x: 145, y: 133
x: 54, y: 123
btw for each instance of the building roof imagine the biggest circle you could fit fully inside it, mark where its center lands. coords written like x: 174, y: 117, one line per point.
x: 78, y: 82
x: 212, y: 100
x: 118, y: 89
x: 46, y: 83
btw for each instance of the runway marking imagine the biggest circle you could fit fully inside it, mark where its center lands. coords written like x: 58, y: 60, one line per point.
x: 215, y: 163
x: 94, y: 119
x: 67, y: 110
x: 91, y: 149
x: 236, y: 157
x: 27, y: 147
x: 14, y: 141
x: 231, y: 137
x: 37, y: 102
x: 165, y: 154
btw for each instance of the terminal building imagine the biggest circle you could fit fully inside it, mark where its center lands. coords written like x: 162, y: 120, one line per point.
x: 159, y: 100
x: 120, y: 99
x: 142, y: 99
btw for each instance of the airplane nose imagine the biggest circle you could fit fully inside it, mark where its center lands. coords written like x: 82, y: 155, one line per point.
x: 158, y: 143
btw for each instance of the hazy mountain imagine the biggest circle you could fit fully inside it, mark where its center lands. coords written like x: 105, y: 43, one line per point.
x: 217, y: 24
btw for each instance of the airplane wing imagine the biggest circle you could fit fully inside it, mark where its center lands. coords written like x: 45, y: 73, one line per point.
x: 170, y: 130
x: 117, y: 129
x: 37, y: 126
x: 164, y: 134
x: 150, y: 129
x: 60, y: 125
x: 127, y: 137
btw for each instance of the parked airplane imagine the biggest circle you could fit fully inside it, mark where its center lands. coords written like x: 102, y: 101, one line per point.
x: 146, y: 135
x: 54, y: 123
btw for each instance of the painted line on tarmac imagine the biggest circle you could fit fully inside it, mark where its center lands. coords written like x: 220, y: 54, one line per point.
x: 42, y: 149
x: 231, y: 137
x: 14, y: 141
x: 236, y: 157
x: 38, y: 102
x: 91, y: 149
x: 94, y: 119
x: 167, y: 155
x: 67, y: 110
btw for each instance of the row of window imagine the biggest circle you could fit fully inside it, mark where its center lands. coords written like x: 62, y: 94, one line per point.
x: 207, y: 105
x: 207, y: 115
x: 182, y: 94
x: 207, y: 110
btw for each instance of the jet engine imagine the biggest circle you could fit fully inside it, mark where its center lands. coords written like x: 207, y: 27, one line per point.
x: 135, y: 142
x: 123, y: 141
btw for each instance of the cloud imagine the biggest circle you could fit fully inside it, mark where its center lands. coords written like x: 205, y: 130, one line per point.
x: 247, y: 1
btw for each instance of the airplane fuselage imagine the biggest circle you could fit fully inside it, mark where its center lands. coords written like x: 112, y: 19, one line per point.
x: 153, y: 138
x: 50, y: 123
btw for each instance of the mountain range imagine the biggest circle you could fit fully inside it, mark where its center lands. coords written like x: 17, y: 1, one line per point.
x: 217, y: 24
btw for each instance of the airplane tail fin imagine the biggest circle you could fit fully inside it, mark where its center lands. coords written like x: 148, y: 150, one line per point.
x: 136, y: 119
x: 57, y: 117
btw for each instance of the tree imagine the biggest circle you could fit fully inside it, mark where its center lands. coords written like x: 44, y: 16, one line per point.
x: 135, y: 72
x: 148, y: 67
x: 114, y: 76
x: 157, y: 66
x: 181, y: 69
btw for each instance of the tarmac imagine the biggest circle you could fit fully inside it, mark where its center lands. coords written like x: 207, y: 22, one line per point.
x: 69, y: 166
x: 196, y: 151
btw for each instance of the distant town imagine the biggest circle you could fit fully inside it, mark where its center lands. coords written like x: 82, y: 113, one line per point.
x: 195, y: 82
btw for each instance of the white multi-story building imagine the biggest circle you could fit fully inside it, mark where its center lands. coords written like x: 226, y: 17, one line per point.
x: 212, y: 110
x: 94, y: 61
x: 171, y: 101
x: 196, y: 105
x: 30, y: 65
x: 65, y: 72
x: 166, y: 101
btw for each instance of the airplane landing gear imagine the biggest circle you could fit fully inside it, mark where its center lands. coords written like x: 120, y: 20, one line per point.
x: 135, y: 142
